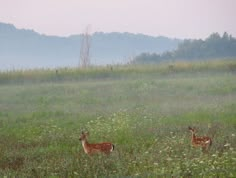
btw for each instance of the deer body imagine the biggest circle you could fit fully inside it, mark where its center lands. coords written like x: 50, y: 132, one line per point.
x: 204, y: 142
x: 105, y: 147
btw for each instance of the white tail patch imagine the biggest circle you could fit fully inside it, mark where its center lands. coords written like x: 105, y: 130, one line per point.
x: 112, y: 148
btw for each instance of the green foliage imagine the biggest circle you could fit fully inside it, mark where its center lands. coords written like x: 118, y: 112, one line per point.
x: 144, y: 110
x: 214, y: 47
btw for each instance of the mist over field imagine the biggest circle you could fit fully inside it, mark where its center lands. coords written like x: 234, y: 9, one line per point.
x: 148, y: 86
x: 25, y: 49
x: 144, y: 110
x: 144, y: 106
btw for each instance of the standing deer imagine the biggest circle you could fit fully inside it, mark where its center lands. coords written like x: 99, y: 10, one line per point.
x: 204, y: 142
x: 89, y: 148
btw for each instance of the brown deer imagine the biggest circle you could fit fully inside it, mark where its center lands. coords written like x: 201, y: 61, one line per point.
x: 90, y: 148
x: 204, y: 142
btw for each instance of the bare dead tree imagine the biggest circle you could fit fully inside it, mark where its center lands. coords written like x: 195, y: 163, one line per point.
x: 85, y: 48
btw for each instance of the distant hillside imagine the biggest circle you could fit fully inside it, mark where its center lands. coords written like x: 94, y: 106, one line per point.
x: 214, y: 47
x: 20, y: 48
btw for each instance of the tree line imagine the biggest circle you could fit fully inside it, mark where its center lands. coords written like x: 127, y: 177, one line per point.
x: 214, y: 46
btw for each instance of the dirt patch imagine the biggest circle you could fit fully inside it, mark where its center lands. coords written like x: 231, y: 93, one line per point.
x: 12, y: 163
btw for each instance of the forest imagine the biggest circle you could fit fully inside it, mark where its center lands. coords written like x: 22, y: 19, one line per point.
x: 213, y: 47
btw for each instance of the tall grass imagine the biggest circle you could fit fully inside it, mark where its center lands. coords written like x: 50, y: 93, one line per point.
x: 112, y: 72
x: 144, y: 110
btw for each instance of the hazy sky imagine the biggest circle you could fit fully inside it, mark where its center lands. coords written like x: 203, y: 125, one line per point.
x: 172, y: 18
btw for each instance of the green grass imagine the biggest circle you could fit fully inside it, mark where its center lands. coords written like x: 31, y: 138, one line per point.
x: 144, y: 110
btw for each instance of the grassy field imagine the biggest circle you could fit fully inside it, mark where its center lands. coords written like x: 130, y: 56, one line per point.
x: 144, y: 110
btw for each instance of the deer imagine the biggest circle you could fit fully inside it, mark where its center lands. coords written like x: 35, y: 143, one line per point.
x: 92, y: 148
x: 204, y: 142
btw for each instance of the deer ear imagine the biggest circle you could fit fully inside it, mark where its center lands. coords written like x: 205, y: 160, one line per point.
x: 189, y: 128
x: 87, y: 133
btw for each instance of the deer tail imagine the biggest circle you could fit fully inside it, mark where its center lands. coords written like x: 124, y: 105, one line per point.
x: 113, y: 147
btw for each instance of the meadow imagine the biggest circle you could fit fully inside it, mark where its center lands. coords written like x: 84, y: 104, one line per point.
x: 144, y: 110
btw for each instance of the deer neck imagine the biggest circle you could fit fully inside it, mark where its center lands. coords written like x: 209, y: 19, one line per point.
x: 85, y: 144
x: 193, y: 136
